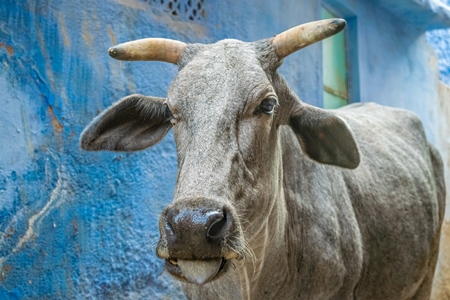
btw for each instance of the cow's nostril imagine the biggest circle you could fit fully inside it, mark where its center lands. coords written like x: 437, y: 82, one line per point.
x: 217, y: 227
x: 169, y: 228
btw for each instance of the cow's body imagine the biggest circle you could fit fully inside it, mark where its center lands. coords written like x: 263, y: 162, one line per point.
x: 349, y: 232
x: 276, y: 199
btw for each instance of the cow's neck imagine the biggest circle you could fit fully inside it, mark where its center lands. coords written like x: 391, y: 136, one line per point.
x: 272, y: 247
x: 268, y: 244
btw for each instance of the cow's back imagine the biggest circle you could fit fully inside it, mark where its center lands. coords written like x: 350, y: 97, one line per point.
x: 386, y: 213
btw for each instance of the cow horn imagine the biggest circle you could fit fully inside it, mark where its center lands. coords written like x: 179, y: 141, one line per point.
x: 149, y: 49
x: 304, y: 35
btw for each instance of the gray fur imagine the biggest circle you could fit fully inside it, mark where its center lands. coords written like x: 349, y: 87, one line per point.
x: 303, y: 229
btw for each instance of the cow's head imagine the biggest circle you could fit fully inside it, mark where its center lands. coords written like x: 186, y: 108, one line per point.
x: 226, y: 106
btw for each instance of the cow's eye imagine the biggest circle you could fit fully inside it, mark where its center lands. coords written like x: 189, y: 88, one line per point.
x: 170, y: 116
x: 168, y: 112
x: 267, y: 106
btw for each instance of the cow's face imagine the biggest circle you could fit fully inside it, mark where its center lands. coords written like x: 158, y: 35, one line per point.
x: 225, y: 106
x: 225, y: 112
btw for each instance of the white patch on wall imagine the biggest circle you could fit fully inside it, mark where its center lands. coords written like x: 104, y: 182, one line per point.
x: 57, y: 197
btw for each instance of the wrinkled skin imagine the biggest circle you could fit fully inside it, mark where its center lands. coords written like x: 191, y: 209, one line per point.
x: 312, y: 204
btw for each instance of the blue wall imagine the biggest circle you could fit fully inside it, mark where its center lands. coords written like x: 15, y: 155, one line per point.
x: 79, y: 225
x: 440, y: 40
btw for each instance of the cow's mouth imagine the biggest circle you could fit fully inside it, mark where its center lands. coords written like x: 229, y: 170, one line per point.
x: 196, y: 271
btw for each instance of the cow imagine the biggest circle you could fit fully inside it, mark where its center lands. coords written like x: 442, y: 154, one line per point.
x: 275, y: 198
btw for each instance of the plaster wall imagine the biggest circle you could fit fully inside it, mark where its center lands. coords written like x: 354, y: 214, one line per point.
x: 441, y: 285
x: 440, y: 40
x: 397, y: 67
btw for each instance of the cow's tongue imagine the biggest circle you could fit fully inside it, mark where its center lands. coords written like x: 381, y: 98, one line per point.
x: 200, y: 271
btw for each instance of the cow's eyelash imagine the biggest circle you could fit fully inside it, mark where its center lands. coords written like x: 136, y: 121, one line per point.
x: 267, y: 106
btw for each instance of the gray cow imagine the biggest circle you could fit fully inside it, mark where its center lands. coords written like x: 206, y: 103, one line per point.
x: 277, y: 199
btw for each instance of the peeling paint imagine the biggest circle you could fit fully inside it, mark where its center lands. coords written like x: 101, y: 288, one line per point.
x: 4, y: 271
x: 27, y: 133
x: 88, y: 38
x: 9, y: 230
x: 131, y: 3
x: 112, y: 36
x: 57, y: 126
x: 48, y: 68
x: 9, y: 48
x: 64, y: 96
x: 10, y: 233
x: 63, y: 30
x: 35, y: 220
x: 30, y: 233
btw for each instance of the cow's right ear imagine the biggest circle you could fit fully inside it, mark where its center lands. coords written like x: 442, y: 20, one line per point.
x: 133, y: 123
x: 324, y: 136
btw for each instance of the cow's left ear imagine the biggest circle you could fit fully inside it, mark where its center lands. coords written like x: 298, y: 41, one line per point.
x: 134, y: 123
x: 324, y: 136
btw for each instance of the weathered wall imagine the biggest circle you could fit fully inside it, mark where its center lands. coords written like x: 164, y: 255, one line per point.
x: 440, y: 41
x: 78, y: 225
x: 396, y: 66
x: 441, y: 287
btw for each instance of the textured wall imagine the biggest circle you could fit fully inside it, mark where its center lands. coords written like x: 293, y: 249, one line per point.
x: 441, y: 285
x: 440, y: 40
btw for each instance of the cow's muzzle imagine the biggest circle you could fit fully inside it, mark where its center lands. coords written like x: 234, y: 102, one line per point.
x: 198, y: 238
